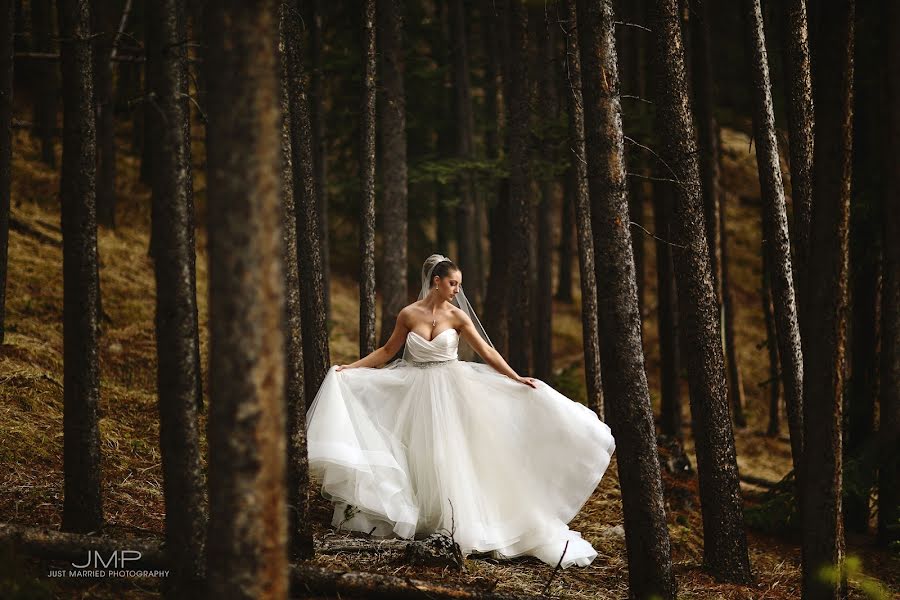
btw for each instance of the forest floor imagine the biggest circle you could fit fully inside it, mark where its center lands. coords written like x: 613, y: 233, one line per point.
x: 31, y: 374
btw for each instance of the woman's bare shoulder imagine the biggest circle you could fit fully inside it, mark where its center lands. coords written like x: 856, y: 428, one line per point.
x: 409, y: 311
x: 459, y: 315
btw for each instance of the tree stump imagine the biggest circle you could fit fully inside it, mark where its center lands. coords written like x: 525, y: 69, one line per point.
x: 437, y: 550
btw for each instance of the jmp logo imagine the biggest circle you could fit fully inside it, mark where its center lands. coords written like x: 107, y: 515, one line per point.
x: 117, y: 560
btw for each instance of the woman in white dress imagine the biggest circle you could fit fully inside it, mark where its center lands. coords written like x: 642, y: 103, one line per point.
x: 431, y: 442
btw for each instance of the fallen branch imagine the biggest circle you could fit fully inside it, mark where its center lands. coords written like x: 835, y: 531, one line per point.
x: 553, y: 574
x: 305, y: 578
x: 759, y: 481
x: 361, y: 545
x: 320, y: 581
x: 27, y: 230
x: 74, y: 547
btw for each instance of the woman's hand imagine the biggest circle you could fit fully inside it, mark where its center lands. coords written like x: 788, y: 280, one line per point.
x: 528, y: 381
x: 342, y: 367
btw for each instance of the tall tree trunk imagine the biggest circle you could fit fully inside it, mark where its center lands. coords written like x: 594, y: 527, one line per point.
x: 566, y: 236
x: 707, y: 136
x: 542, y: 346
x: 800, y: 132
x: 496, y: 293
x: 862, y: 389
x: 299, y: 523
x: 826, y: 301
x: 83, y: 507
x: 105, y: 26
x: 868, y: 188
x: 47, y: 79
x: 777, y: 247
x: 247, y: 546
x: 735, y: 379
x: 519, y: 220
x: 177, y: 334
x: 713, y: 201
x: 316, y: 354
x: 725, y: 543
x: 774, y: 427
x: 578, y: 183
x: 771, y: 344
x: 392, y: 108
x: 7, y: 53
x: 320, y: 146
x: 622, y: 356
x: 153, y: 50
x: 367, y: 167
x: 467, y: 234
x: 667, y: 312
x: 889, y: 410
x: 635, y: 70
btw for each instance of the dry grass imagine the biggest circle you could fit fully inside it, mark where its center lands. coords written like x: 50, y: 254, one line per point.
x: 31, y: 403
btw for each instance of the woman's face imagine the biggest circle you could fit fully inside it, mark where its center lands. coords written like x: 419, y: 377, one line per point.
x: 448, y: 287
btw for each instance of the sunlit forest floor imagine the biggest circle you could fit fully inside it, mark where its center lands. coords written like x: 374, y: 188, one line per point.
x: 31, y: 373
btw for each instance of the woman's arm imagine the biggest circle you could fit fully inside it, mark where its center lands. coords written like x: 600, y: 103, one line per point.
x: 488, y: 352
x: 390, y: 348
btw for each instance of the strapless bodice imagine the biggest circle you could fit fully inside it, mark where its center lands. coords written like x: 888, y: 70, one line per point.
x: 442, y: 347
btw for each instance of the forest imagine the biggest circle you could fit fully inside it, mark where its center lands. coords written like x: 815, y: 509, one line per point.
x: 683, y: 214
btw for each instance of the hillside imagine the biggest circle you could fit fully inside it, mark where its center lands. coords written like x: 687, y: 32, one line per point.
x: 31, y: 402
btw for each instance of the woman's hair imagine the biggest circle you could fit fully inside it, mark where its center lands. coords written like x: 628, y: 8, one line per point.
x: 442, y: 269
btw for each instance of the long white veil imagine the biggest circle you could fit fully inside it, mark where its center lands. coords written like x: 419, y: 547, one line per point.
x: 466, y: 352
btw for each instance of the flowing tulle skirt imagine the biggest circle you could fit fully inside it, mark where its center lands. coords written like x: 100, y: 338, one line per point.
x: 409, y: 450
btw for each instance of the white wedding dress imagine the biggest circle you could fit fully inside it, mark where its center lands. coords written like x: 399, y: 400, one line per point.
x: 394, y: 447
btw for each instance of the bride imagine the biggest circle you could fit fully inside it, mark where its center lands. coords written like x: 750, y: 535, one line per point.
x: 431, y: 443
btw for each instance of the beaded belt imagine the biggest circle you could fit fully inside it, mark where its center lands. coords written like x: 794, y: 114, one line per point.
x: 433, y: 363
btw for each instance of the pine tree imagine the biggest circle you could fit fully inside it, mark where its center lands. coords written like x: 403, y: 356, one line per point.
x: 622, y: 357
x: 247, y: 545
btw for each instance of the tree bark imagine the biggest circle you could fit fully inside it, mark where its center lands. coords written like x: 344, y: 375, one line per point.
x: 578, y: 183
x: 177, y: 334
x: 392, y: 109
x: 83, y: 506
x: 299, y: 525
x: 801, y: 124
x: 772, y: 346
x: 316, y: 354
x: 826, y: 301
x: 889, y: 410
x: 622, y: 357
x: 7, y: 52
x: 667, y: 313
x: 247, y: 546
x: 105, y: 22
x: 725, y: 543
x: 47, y: 79
x: 367, y: 167
x: 519, y: 264
x: 777, y: 247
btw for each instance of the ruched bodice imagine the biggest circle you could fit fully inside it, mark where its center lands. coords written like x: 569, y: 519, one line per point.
x: 442, y: 347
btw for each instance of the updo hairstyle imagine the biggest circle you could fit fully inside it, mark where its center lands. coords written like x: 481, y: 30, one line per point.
x: 442, y: 269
